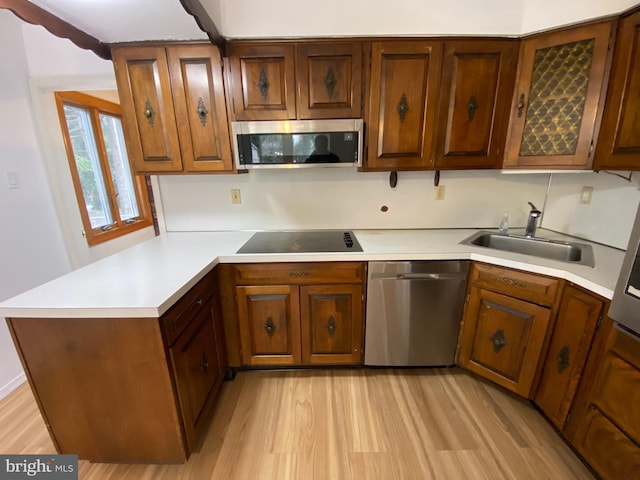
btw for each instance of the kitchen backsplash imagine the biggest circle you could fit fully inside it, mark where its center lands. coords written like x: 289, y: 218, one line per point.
x: 342, y: 198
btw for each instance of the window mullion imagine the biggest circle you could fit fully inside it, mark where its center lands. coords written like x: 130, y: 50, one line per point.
x: 104, y: 166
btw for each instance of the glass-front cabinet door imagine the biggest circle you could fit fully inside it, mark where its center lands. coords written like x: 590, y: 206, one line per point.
x: 556, y: 100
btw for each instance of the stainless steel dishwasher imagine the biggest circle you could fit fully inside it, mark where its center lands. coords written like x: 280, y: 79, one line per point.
x: 414, y: 311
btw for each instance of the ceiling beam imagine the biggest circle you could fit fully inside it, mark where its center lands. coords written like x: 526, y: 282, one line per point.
x: 35, y: 15
x: 204, y: 21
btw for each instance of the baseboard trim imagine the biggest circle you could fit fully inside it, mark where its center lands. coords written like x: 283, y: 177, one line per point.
x: 12, y: 385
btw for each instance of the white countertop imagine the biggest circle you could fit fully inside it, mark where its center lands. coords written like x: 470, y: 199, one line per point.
x: 145, y: 280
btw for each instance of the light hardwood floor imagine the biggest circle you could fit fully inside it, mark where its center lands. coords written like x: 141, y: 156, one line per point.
x: 344, y: 424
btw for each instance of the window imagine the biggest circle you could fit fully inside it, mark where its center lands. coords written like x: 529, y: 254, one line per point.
x: 112, y: 201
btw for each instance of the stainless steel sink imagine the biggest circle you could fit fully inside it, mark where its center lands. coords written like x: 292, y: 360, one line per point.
x: 571, y: 252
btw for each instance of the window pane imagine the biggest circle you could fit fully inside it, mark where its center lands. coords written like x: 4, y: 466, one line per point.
x: 86, y: 157
x: 119, y: 166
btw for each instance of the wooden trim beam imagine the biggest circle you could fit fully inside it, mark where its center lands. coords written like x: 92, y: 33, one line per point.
x: 204, y: 21
x: 35, y: 15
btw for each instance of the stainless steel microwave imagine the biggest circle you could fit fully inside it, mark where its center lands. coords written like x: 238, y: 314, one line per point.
x: 625, y: 305
x: 298, y: 143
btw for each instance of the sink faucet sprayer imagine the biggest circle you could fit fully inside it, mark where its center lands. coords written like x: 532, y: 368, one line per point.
x: 534, y: 214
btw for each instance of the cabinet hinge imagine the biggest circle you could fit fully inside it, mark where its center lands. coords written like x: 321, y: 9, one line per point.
x: 599, y: 324
x: 233, y: 105
x: 591, y: 147
x: 362, y: 297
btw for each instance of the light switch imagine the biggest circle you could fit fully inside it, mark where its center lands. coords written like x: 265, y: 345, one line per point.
x: 235, y: 196
x: 13, y: 180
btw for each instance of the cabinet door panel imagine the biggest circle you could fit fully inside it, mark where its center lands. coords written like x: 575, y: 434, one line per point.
x: 502, y: 338
x: 149, y: 121
x: 269, y: 319
x: 263, y: 79
x: 619, y: 139
x: 198, y: 95
x: 477, y: 84
x: 575, y: 326
x: 331, y: 323
x: 404, y: 89
x: 329, y: 80
x: 605, y: 422
x: 555, y: 105
x: 197, y: 371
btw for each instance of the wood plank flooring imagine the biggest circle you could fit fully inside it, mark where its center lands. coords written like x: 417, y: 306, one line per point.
x: 344, y: 424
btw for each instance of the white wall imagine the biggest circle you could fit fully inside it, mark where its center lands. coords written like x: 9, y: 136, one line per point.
x: 607, y: 219
x: 344, y: 198
x: 56, y: 64
x: 40, y: 237
x: 32, y: 250
x: 541, y: 14
x: 295, y: 18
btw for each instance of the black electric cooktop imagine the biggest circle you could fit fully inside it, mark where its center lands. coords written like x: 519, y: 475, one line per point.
x: 309, y: 241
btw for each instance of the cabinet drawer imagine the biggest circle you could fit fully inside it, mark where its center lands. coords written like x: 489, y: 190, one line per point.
x: 185, y: 309
x: 514, y: 283
x: 298, y: 273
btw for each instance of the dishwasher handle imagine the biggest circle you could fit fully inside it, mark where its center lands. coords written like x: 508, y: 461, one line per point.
x: 431, y: 276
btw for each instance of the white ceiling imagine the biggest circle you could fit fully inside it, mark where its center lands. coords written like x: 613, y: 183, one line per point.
x: 112, y: 21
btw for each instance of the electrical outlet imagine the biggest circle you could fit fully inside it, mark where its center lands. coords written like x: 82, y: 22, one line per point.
x: 585, y: 195
x: 235, y: 196
x: 440, y: 192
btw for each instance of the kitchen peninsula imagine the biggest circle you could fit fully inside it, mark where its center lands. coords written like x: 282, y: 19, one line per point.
x: 116, y: 330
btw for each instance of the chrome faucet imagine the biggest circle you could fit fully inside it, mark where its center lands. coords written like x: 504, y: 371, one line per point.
x: 534, y: 214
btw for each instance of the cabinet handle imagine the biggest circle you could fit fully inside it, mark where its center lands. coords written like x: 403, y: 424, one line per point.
x: 204, y: 363
x: 472, y: 106
x: 330, y: 82
x: 202, y: 112
x: 511, y: 281
x: 198, y: 303
x: 269, y: 326
x: 263, y: 84
x: 149, y: 112
x: 521, y: 105
x: 563, y: 359
x: 403, y: 107
x: 498, y: 340
x: 331, y: 325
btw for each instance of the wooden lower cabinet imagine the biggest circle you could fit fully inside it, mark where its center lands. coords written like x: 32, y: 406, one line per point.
x: 270, y: 326
x: 298, y: 313
x: 331, y: 324
x: 605, y: 422
x: 504, y: 325
x: 127, y: 390
x: 198, y: 372
x: 502, y: 338
x: 571, y: 339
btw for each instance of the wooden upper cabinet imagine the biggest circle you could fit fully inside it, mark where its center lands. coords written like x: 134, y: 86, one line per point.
x: 148, y: 118
x: 476, y: 91
x: 263, y: 81
x: 403, y: 104
x: 557, y: 98
x: 305, y: 80
x: 619, y: 139
x: 329, y: 80
x: 174, y: 109
x: 199, y: 102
